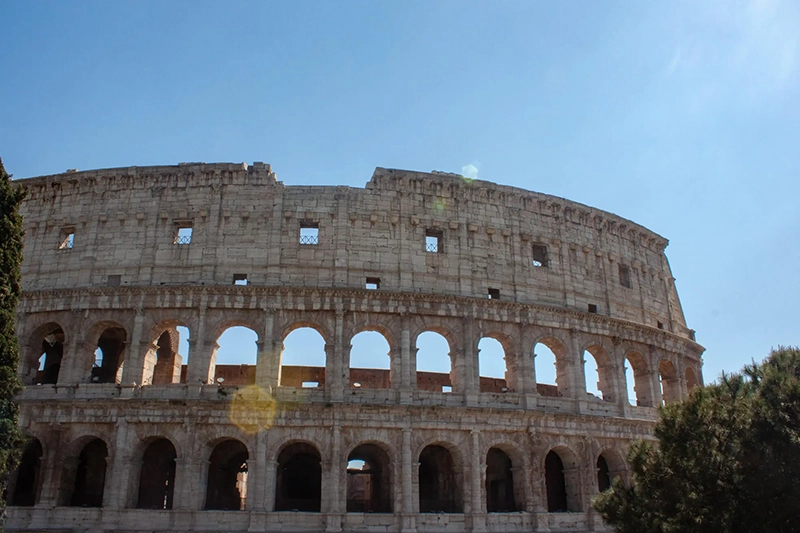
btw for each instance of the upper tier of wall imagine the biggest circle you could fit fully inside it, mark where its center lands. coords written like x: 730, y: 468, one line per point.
x: 244, y: 221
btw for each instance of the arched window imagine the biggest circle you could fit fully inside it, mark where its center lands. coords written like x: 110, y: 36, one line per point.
x: 556, y: 484
x: 157, y: 477
x: 85, y: 480
x: 499, y: 482
x: 236, y: 357
x: 638, y: 380
x: 597, y: 375
x: 550, y: 377
x: 492, y: 366
x: 52, y: 351
x: 434, y: 368
x: 226, y: 487
x: 303, y: 359
x: 299, y: 479
x: 369, y: 487
x: 26, y: 487
x: 109, y: 356
x: 439, y: 483
x: 370, y: 362
x: 670, y: 386
x: 691, y: 379
x: 603, y: 476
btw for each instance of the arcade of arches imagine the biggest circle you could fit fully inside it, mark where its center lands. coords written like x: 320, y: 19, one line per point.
x: 494, y: 364
x: 446, y: 482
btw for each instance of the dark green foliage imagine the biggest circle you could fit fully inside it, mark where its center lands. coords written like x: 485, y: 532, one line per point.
x: 10, y: 262
x: 727, y: 459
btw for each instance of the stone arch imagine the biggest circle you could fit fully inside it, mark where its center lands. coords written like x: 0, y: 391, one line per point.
x: 561, y: 356
x: 226, y: 482
x: 440, y: 478
x: 369, y: 488
x: 605, y: 369
x: 510, y: 380
x: 562, y: 480
x: 41, y: 364
x: 298, y: 483
x: 437, y: 380
x: 234, y: 354
x: 156, y: 488
x: 519, y: 464
x: 670, y: 382
x: 609, y: 465
x: 304, y: 375
x: 27, y: 478
x: 371, y: 374
x: 83, y: 474
x: 642, y: 384
x: 691, y: 379
x: 163, y: 364
x: 108, y: 340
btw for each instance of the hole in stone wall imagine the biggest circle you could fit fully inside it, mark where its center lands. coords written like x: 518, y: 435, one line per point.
x: 370, y: 362
x: 236, y: 356
x: 303, y: 359
x: 433, y: 362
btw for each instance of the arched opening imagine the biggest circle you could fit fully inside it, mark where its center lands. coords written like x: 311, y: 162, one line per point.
x: 157, y: 478
x: 638, y: 380
x: 691, y: 379
x: 226, y: 488
x: 562, y: 480
x: 492, y: 366
x: 84, y: 479
x: 434, y: 368
x: 370, y: 361
x: 299, y: 479
x: 369, y: 487
x: 596, y: 374
x: 439, y: 483
x: 670, y: 385
x: 163, y: 365
x: 109, y: 356
x: 183, y: 350
x: 499, y: 482
x: 550, y: 377
x: 303, y: 359
x: 236, y: 356
x: 51, y: 351
x: 603, y: 475
x: 26, y: 487
x: 556, y: 484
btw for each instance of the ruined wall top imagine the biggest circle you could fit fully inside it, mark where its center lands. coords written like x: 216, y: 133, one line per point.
x: 408, y: 231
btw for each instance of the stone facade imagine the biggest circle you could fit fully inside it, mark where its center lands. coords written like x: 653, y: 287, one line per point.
x: 117, y: 259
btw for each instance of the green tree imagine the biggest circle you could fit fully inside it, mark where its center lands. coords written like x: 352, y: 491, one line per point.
x: 10, y: 288
x: 726, y: 460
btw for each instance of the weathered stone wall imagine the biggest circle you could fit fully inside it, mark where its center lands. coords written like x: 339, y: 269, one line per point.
x: 124, y: 224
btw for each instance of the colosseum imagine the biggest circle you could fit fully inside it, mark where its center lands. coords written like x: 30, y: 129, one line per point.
x: 128, y: 434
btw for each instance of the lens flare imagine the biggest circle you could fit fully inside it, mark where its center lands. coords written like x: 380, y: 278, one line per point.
x: 253, y: 409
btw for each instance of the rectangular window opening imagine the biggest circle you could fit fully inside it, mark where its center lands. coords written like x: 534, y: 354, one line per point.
x: 310, y: 384
x: 625, y: 275
x: 67, y: 239
x: 593, y: 308
x: 114, y: 280
x: 240, y: 279
x: 373, y: 283
x: 447, y: 388
x: 539, y: 255
x: 660, y: 325
x: 309, y: 233
x: 494, y: 294
x: 434, y: 241
x: 183, y: 233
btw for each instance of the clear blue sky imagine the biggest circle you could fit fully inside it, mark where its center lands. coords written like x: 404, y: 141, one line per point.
x: 682, y: 116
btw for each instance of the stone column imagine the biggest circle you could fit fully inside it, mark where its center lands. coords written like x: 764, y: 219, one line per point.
x: 471, y: 384
x: 477, y: 468
x: 331, y: 488
x: 189, y: 494
x: 132, y: 372
x: 409, y: 519
x: 407, y: 368
x: 199, y: 371
x: 655, y: 383
x: 572, y: 367
x: 117, y: 493
x: 336, y: 385
x: 51, y: 465
x: 74, y: 369
x: 269, y: 354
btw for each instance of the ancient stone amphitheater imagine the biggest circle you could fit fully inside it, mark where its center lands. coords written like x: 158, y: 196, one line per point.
x: 127, y: 435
